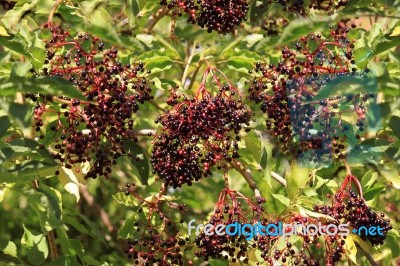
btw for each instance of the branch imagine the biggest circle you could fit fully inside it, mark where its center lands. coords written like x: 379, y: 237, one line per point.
x: 53, y: 10
x: 92, y: 203
x: 189, y: 60
x: 159, y: 15
x: 52, y: 244
x: 278, y: 178
x: 143, y: 132
x: 246, y: 173
x: 368, y: 256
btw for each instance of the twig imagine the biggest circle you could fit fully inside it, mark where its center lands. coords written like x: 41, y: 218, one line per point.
x: 278, y: 178
x: 92, y: 203
x: 159, y: 15
x: 53, y: 10
x: 196, y: 71
x: 142, y: 132
x: 152, y: 102
x: 368, y: 256
x: 246, y: 173
x: 53, y: 246
x: 189, y: 60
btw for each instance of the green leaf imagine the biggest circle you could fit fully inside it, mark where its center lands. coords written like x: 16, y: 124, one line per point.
x: 54, y: 198
x: 371, y: 193
x: 155, y: 61
x: 351, y: 249
x: 129, y: 201
x: 394, y: 123
x: 4, y: 123
x: 389, y: 171
x: 13, y: 16
x: 368, y: 179
x: 298, y: 28
x: 36, y: 247
x: 139, y: 161
x: 127, y: 230
x: 14, y: 45
x: 282, y: 199
x: 44, y: 85
x: 296, y: 178
x: 9, y: 248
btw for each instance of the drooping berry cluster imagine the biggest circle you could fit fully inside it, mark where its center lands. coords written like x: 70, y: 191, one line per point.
x: 232, y: 207
x: 222, y: 16
x: 251, y: 228
x: 302, y: 7
x: 156, y: 239
x: 90, y: 130
x: 349, y: 207
x: 199, y: 133
x: 302, y: 112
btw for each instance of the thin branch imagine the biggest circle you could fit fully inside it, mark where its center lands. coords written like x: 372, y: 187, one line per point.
x: 278, y: 178
x: 152, y: 102
x: 53, y: 245
x: 159, y: 15
x: 196, y: 71
x: 246, y: 173
x: 53, y: 10
x: 93, y: 204
x: 189, y: 60
x: 368, y: 256
x: 143, y: 132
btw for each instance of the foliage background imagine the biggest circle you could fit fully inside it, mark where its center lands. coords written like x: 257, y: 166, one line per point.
x: 87, y: 218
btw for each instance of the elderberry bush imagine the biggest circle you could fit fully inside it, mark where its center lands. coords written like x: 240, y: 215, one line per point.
x: 92, y: 130
x: 198, y: 134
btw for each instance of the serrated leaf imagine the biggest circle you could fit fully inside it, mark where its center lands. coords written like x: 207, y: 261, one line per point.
x: 128, y: 201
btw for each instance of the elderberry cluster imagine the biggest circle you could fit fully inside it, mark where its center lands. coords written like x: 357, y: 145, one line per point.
x: 232, y: 207
x: 302, y: 113
x: 222, y: 16
x: 156, y: 239
x: 198, y: 134
x: 352, y: 209
x: 90, y: 130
